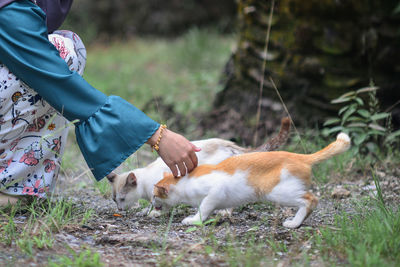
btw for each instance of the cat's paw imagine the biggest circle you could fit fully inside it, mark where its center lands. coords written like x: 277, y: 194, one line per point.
x: 155, y: 213
x: 143, y: 212
x: 291, y: 224
x: 225, y: 212
x: 190, y: 220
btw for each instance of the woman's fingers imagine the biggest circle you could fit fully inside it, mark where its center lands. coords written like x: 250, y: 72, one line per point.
x: 182, y: 169
x: 194, y: 159
x: 189, y: 164
x: 176, y: 151
x: 195, y: 148
x: 174, y: 169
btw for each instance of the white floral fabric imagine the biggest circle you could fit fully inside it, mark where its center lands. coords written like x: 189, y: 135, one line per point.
x: 32, y: 133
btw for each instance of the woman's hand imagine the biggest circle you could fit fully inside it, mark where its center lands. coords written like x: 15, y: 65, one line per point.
x: 176, y: 151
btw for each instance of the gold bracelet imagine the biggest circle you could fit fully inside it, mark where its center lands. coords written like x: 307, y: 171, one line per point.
x: 156, y: 146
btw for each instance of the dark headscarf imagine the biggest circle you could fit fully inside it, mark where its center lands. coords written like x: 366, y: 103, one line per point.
x: 56, y: 11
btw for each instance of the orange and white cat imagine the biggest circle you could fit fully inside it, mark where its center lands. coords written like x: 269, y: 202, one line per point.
x: 137, y: 184
x: 279, y: 176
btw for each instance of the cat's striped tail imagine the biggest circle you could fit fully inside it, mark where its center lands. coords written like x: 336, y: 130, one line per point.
x: 341, y: 145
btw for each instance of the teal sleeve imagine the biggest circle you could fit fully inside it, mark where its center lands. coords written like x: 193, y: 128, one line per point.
x: 109, y: 128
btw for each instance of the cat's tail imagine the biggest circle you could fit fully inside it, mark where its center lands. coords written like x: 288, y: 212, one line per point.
x: 341, y: 145
x: 278, y: 140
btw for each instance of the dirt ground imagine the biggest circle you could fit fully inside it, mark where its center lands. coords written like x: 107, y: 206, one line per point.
x: 134, y: 239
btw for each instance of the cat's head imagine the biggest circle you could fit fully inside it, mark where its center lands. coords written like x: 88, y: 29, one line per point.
x: 124, y: 189
x: 161, y: 192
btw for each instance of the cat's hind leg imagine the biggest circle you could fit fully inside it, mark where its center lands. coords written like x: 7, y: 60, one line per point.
x: 207, y: 206
x: 306, y: 205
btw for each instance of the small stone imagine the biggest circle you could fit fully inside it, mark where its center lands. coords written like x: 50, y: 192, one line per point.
x: 340, y: 193
x: 380, y: 174
x: 369, y: 188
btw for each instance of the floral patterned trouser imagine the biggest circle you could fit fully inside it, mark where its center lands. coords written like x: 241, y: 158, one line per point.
x: 32, y: 133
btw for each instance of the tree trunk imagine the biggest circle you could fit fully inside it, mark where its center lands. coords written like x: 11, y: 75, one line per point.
x: 318, y: 50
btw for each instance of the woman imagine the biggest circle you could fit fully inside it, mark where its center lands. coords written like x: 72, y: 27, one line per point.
x: 41, y: 88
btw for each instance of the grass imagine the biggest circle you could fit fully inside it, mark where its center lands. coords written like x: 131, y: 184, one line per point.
x: 253, y: 255
x: 37, y: 222
x: 85, y: 258
x: 103, y: 187
x: 369, y: 237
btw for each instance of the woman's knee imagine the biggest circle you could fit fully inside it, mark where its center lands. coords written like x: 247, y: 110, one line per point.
x: 71, y: 49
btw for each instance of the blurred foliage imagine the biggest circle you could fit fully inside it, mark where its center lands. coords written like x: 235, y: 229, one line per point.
x: 369, y: 128
x: 397, y: 9
x: 180, y: 74
x: 104, y: 19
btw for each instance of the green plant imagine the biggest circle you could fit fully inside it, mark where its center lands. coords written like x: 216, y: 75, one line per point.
x: 208, y: 240
x: 42, y: 218
x: 368, y: 128
x: 103, y: 187
x: 253, y: 254
x: 26, y: 245
x: 200, y: 225
x: 8, y: 230
x: 369, y: 237
x: 85, y: 258
x: 277, y: 246
x: 183, y: 72
x: 28, y: 241
x: 86, y: 216
x: 57, y: 213
x: 163, y: 258
x: 43, y: 240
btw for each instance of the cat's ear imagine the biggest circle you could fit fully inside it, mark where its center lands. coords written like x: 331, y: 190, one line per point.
x: 131, y: 179
x: 166, y: 174
x: 111, y: 177
x: 162, y: 190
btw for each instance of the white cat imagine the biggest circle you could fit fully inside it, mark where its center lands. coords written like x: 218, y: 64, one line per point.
x: 129, y: 187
